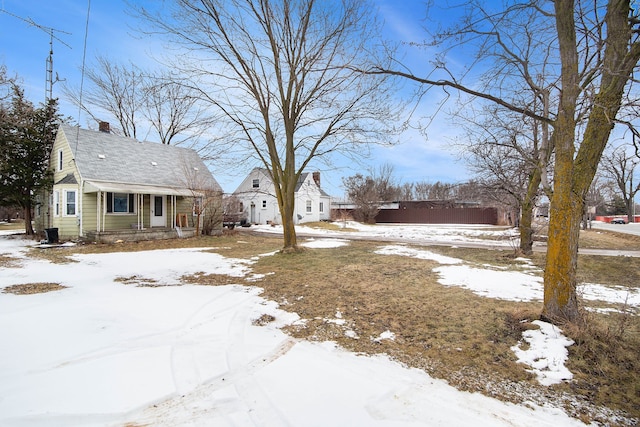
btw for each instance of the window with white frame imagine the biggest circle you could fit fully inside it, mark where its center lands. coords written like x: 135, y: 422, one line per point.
x: 197, y: 206
x: 264, y: 204
x: 56, y: 203
x: 321, y: 207
x: 256, y: 183
x: 70, y: 202
x: 309, y: 206
x: 60, y: 162
x: 121, y: 203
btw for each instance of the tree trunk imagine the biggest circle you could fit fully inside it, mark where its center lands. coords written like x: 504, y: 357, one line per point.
x: 526, y: 217
x: 573, y: 177
x: 28, y: 221
x: 526, y: 228
x: 286, y: 182
x: 560, y: 299
x: 288, y: 225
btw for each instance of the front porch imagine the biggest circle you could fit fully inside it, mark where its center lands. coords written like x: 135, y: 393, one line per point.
x: 134, y: 235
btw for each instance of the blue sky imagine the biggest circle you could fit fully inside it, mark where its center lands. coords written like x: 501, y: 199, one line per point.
x: 24, y: 49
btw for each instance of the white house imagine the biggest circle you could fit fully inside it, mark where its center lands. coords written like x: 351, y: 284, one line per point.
x: 260, y: 205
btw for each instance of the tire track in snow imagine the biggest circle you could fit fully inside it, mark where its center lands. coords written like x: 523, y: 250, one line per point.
x: 219, y: 401
x: 186, y: 351
x: 262, y: 410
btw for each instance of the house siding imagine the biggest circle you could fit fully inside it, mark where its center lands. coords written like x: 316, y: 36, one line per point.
x: 67, y: 225
x: 89, y: 212
x: 123, y: 221
x: 252, y: 199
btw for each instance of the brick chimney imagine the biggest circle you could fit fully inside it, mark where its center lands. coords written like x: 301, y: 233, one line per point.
x: 104, y: 127
x: 316, y: 178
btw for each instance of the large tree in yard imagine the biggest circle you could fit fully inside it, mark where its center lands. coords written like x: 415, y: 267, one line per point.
x: 282, y: 73
x: 27, y: 134
x: 597, y: 50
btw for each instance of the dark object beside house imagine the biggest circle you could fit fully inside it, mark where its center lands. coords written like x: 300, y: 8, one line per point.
x: 51, y: 234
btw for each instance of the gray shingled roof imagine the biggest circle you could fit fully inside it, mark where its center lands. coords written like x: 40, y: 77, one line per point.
x: 69, y: 179
x: 106, y: 157
x: 303, y: 178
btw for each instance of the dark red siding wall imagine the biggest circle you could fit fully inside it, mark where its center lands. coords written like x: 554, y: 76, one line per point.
x: 411, y: 215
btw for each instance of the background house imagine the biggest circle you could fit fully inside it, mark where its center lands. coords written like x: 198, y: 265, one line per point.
x: 260, y: 205
x: 108, y: 187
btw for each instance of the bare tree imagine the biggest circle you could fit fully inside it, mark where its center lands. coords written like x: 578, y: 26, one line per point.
x: 597, y: 52
x: 176, y: 113
x: 598, y: 194
x: 386, y: 187
x: 422, y: 190
x: 504, y: 149
x: 406, y: 191
x: 116, y: 90
x: 278, y: 72
x: 363, y: 193
x: 619, y: 166
x: 206, y: 194
x: 143, y: 102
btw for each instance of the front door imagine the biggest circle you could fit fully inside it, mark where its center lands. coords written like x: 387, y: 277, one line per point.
x: 158, y: 216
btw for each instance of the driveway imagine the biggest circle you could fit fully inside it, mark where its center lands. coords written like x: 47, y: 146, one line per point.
x: 620, y: 228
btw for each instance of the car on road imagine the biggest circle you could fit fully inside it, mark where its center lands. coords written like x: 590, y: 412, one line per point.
x: 618, y: 221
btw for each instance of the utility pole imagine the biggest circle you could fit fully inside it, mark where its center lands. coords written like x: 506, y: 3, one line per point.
x: 49, y: 81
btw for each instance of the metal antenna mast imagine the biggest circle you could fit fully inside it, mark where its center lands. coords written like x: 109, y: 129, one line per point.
x: 49, y: 81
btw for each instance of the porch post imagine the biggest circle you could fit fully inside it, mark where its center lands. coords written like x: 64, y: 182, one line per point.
x: 173, y: 211
x: 141, y: 210
x: 104, y: 211
x: 80, y: 210
x: 98, y: 199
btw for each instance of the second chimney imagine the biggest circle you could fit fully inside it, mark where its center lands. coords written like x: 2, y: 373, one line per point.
x: 104, y: 127
x: 316, y: 178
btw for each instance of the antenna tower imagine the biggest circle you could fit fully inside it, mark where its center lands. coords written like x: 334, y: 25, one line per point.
x: 49, y: 81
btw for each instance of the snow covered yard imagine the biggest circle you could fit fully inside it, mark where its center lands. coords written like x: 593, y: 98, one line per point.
x: 127, y: 341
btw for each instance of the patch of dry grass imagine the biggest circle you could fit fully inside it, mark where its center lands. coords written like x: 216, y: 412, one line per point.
x: 211, y: 279
x: 605, y: 239
x: 139, y: 281
x: 620, y: 271
x: 13, y: 225
x: 7, y: 261
x: 33, y: 288
x: 331, y: 226
x: 232, y: 245
x: 605, y: 360
x: 56, y: 255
